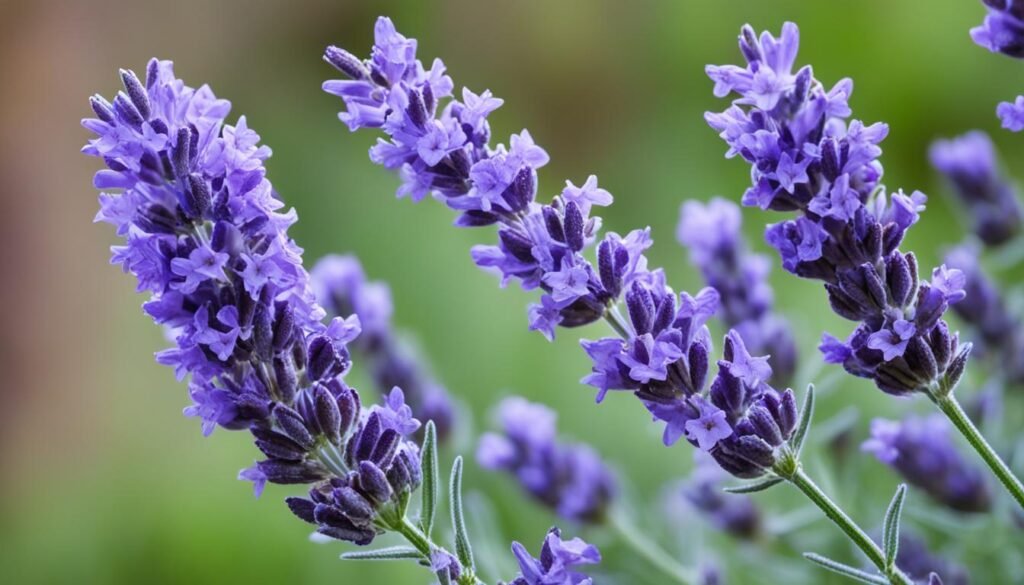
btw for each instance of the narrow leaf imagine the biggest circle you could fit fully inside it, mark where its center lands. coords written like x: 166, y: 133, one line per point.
x: 756, y: 486
x: 806, y: 412
x: 462, y: 548
x: 891, y: 528
x: 393, y: 553
x: 428, y: 492
x: 846, y: 570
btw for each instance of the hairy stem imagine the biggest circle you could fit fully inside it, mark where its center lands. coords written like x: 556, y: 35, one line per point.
x: 415, y: 537
x: 838, y: 517
x: 649, y: 550
x: 949, y: 406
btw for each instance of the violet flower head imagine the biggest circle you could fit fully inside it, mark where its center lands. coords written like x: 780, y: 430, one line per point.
x: 969, y: 163
x: 922, y: 451
x: 1011, y: 114
x: 376, y: 466
x: 569, y: 478
x: 734, y: 514
x: 998, y: 332
x: 806, y: 156
x: 557, y: 563
x: 442, y: 146
x: 205, y: 237
x: 711, y: 231
x: 341, y: 287
x: 1002, y: 31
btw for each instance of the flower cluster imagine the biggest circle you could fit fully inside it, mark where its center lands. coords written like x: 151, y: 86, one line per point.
x: 1002, y: 31
x: 807, y: 157
x: 998, y: 332
x: 569, y: 478
x: 733, y: 514
x: 969, y: 163
x: 341, y: 287
x: 712, y: 233
x: 375, y: 466
x: 204, y: 238
x: 922, y: 451
x: 556, y: 563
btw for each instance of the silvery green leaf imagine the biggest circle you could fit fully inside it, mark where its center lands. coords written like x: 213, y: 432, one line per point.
x: 846, y: 570
x: 428, y: 491
x: 891, y: 527
x: 463, y: 550
x: 755, y: 486
x: 393, y: 553
x: 806, y: 412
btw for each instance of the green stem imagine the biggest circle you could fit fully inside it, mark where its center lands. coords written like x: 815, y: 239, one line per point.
x: 848, y: 526
x: 649, y: 550
x: 422, y: 543
x: 955, y: 413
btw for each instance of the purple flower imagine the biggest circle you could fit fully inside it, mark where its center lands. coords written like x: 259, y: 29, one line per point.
x: 807, y: 156
x: 892, y: 342
x: 557, y: 562
x: 586, y: 195
x: 569, y: 478
x: 1011, y: 114
x: 708, y: 428
x: 544, y: 317
x: 921, y: 450
x: 1003, y: 28
x: 567, y: 284
x: 969, y: 163
x: 341, y: 285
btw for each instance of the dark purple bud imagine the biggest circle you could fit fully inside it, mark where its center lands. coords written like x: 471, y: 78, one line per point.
x: 291, y: 424
x: 385, y: 448
x: 374, y: 482
x: 136, y: 92
x: 287, y: 379
x: 573, y: 227
x: 417, y: 110
x: 262, y: 331
x: 553, y: 223
x: 802, y: 84
x: 920, y: 359
x: 284, y: 327
x: 942, y: 344
x: 348, y: 410
x: 126, y: 111
x: 764, y: 425
x: 368, y: 436
x: 181, y: 157
x: 345, y: 62
x: 293, y: 472
x: 641, y: 308
x: 830, y: 165
x: 476, y: 218
x: 606, y: 269
x: 461, y: 162
x: 956, y: 367
x: 196, y: 200
x: 277, y: 446
x: 152, y: 72
x: 699, y: 361
x: 302, y: 508
x: 901, y: 281
x: 749, y: 46
x: 787, y: 415
x: 516, y: 244
x: 353, y: 505
x: 520, y: 193
x: 326, y: 358
x: 328, y: 416
x: 102, y: 108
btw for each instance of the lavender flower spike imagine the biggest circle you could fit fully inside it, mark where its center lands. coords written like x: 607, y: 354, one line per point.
x: 969, y: 163
x: 712, y: 233
x: 569, y: 478
x: 922, y: 451
x: 1003, y: 28
x: 806, y: 157
x: 557, y: 562
x: 342, y: 288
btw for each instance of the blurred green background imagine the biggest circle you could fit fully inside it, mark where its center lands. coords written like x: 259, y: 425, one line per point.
x: 103, y: 481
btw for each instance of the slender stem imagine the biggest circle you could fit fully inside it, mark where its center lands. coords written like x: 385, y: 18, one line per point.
x: 951, y: 408
x: 649, y: 550
x: 615, y: 320
x: 848, y: 526
x: 422, y: 543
